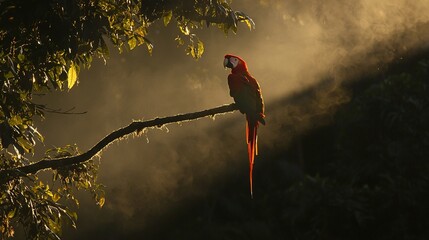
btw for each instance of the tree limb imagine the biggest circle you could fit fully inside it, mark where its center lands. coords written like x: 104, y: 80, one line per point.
x: 135, y: 126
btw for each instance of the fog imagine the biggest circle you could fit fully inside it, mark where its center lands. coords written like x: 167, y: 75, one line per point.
x: 296, y: 45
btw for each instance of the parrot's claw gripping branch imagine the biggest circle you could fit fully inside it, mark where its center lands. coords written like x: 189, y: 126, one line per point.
x: 136, y: 126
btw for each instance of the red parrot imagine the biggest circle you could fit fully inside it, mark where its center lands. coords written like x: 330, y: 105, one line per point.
x: 247, y: 95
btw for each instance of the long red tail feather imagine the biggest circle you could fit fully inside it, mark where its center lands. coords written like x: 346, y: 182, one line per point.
x: 252, y: 148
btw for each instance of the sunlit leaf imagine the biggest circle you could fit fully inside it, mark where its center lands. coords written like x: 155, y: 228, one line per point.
x: 101, y: 202
x: 246, y: 19
x: 55, y: 197
x: 184, y: 29
x: 39, y: 136
x: 149, y: 45
x: 167, y: 17
x: 132, y: 43
x: 72, y: 76
x: 72, y: 214
x: 179, y: 41
x: 11, y: 213
x: 104, y: 49
x: 55, y: 227
x: 250, y: 23
x: 15, y: 120
x: 21, y: 57
x: 200, y: 48
x: 25, y: 144
x: 195, y: 50
x: 49, y: 193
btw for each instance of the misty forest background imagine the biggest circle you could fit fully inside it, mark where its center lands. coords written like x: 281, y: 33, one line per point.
x: 344, y: 154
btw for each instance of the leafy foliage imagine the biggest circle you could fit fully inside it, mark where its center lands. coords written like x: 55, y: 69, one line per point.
x: 43, y: 47
x: 41, y: 208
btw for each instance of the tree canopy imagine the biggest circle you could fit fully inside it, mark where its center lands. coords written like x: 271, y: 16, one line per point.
x: 43, y: 47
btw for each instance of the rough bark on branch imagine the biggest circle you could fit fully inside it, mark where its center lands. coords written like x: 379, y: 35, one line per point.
x: 135, y: 126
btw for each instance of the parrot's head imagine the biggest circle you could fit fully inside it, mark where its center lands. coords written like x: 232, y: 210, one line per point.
x: 235, y: 63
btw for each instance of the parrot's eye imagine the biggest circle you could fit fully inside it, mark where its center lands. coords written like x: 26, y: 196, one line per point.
x: 234, y: 62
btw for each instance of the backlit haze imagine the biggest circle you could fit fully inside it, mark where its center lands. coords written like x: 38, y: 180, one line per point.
x: 296, y: 45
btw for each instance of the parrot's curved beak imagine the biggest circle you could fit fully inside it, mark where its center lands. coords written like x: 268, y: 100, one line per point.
x: 227, y: 63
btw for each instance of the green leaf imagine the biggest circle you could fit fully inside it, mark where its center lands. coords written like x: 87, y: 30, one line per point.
x: 196, y: 50
x: 55, y: 226
x: 37, y: 133
x: 149, y: 45
x: 11, y: 213
x: 246, y: 19
x: 132, y: 43
x: 25, y: 144
x: 55, y: 197
x: 8, y: 75
x: 184, y: 29
x: 104, y: 49
x: 21, y: 57
x: 200, y: 48
x: 180, y: 41
x: 250, y: 23
x: 72, y: 76
x: 167, y: 17
x: 72, y: 215
x: 101, y: 202
x: 15, y: 120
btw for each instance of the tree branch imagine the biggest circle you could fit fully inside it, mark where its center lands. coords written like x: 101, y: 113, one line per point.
x: 136, y: 126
